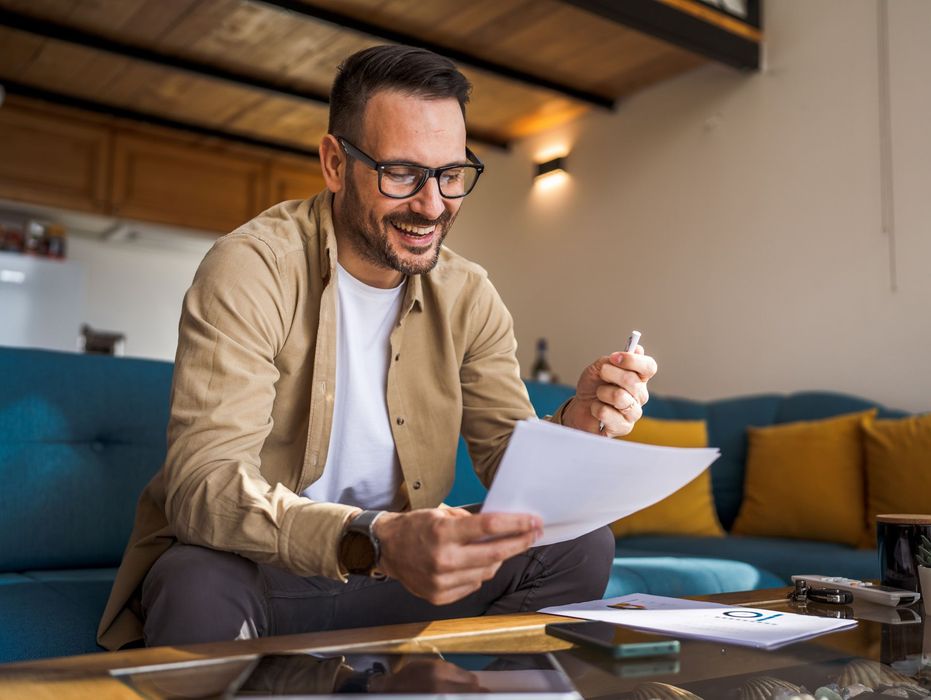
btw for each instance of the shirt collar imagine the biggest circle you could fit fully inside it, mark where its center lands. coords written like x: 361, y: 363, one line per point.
x: 322, y: 213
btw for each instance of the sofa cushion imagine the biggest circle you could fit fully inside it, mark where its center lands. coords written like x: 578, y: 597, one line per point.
x: 688, y: 511
x: 805, y: 480
x: 684, y: 576
x: 782, y: 557
x: 727, y: 421
x: 898, y: 467
x: 80, y: 436
x: 52, y: 613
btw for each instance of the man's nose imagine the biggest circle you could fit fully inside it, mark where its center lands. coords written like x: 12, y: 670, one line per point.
x: 428, y: 202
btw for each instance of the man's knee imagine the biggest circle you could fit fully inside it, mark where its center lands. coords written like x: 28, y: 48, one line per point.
x: 594, y: 553
x: 194, y: 594
x: 577, y: 570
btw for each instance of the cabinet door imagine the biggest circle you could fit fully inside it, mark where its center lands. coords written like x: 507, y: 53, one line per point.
x: 173, y: 183
x: 46, y: 160
x: 298, y: 180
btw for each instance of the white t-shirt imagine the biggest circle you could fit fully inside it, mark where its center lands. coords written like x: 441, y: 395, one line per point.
x: 362, y: 467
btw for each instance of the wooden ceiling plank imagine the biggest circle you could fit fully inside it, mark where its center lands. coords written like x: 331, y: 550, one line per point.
x: 545, y: 39
x: 185, y: 97
x: 303, y: 122
x: 202, y: 19
x: 19, y: 51
x: 320, y: 66
x: 244, y: 28
x: 57, y: 64
x: 105, y: 16
x: 154, y: 20
x: 659, y: 67
x: 518, y: 16
x: 99, y: 72
x: 469, y: 17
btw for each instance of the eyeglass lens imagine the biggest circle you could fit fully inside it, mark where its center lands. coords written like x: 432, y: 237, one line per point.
x: 405, y: 180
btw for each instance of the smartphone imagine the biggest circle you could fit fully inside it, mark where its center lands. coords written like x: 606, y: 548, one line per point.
x: 607, y: 637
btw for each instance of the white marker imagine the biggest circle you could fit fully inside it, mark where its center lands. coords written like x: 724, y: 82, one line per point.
x: 632, y: 342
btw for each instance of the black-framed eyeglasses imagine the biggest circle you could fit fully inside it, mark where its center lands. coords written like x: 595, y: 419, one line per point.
x: 399, y: 179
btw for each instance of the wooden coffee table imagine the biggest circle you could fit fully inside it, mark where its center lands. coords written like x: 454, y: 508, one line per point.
x: 708, y: 669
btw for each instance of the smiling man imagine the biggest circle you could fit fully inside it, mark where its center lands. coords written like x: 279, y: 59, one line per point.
x: 330, y: 353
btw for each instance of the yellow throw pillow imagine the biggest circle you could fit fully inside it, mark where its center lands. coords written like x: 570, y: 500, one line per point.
x: 688, y: 511
x: 806, y: 481
x: 898, y: 467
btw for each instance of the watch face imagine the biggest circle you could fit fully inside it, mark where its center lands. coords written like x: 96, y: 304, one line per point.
x: 357, y: 554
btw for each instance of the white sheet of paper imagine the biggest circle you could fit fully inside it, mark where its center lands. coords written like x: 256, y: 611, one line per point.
x: 578, y: 481
x: 753, y: 627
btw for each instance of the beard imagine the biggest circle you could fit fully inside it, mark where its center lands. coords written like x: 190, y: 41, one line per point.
x: 371, y: 239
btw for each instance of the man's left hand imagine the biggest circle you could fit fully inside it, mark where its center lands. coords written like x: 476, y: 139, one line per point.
x: 611, y: 391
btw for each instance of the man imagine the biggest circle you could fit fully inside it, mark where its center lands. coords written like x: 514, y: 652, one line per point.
x: 330, y: 352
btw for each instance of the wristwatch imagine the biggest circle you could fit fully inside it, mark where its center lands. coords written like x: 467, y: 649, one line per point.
x: 359, y: 548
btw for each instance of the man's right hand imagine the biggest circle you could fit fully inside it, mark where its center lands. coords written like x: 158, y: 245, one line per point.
x: 444, y: 554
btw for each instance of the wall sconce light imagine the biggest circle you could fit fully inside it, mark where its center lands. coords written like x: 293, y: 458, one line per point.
x: 550, y: 173
x: 550, y: 167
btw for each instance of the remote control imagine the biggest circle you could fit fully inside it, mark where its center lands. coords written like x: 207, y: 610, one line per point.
x: 864, y: 590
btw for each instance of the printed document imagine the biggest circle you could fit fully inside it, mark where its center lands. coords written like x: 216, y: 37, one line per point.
x: 752, y: 627
x: 578, y: 481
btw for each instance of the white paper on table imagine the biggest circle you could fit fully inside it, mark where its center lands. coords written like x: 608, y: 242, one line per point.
x: 753, y: 627
x: 578, y: 481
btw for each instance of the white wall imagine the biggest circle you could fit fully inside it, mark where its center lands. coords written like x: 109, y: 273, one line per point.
x: 136, y: 288
x: 735, y: 220
x: 135, y: 274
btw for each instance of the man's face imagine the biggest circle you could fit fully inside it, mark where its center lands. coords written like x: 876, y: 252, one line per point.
x: 401, y: 235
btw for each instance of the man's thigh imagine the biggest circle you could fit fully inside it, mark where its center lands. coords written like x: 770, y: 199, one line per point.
x: 561, y: 573
x: 267, y: 600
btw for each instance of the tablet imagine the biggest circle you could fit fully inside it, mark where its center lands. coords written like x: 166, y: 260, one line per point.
x: 396, y: 676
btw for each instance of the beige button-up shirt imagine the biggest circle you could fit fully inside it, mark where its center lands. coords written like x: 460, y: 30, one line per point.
x: 252, y: 400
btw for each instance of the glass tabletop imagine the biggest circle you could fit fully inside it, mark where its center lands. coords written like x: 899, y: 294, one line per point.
x: 888, y: 654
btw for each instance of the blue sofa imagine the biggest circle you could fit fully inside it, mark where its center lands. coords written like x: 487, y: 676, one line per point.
x: 81, y: 435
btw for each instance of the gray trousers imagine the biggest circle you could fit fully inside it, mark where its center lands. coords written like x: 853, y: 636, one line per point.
x: 194, y: 594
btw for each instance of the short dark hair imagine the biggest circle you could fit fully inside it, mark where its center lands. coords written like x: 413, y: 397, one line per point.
x: 406, y: 69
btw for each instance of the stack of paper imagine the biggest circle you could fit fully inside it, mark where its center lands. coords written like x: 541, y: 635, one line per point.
x: 752, y: 627
x: 578, y: 481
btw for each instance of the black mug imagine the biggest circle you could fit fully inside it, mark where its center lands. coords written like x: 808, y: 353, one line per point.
x: 897, y: 538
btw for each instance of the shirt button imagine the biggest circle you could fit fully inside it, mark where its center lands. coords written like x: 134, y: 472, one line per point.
x: 417, y: 484
x: 400, y: 420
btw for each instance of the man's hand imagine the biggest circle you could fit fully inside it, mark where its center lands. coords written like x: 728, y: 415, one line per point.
x: 444, y: 554
x: 612, y: 390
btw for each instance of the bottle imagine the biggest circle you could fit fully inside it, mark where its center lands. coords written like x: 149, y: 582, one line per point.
x: 540, y: 371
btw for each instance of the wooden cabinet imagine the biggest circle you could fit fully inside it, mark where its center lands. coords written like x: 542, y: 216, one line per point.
x: 174, y: 183
x: 294, y: 180
x: 54, y: 157
x: 52, y: 160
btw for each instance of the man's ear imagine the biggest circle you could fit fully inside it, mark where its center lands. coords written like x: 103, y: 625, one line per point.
x: 334, y: 163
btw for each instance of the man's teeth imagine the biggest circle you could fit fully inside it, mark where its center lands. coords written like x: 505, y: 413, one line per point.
x: 415, y: 230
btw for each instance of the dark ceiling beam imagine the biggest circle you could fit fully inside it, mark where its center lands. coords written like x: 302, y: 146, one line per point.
x: 462, y: 57
x: 662, y: 20
x: 60, y: 98
x: 56, y: 31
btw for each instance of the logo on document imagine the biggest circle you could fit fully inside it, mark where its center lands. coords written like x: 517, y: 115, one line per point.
x: 750, y: 616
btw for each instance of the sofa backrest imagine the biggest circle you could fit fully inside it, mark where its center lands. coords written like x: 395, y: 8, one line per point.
x: 727, y: 420
x: 80, y: 436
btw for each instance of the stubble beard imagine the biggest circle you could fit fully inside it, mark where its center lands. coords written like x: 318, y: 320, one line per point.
x: 371, y: 239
